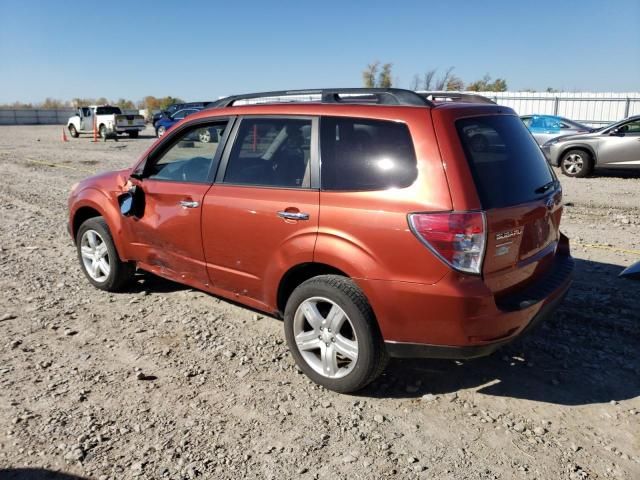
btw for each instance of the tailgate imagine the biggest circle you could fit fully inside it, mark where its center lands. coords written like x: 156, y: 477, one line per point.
x: 521, y: 242
x: 124, y: 120
x: 520, y: 195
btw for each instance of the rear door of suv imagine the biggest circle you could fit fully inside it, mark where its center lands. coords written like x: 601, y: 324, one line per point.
x: 261, y: 215
x: 495, y: 165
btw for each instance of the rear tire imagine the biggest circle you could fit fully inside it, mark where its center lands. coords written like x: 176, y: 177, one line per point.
x: 73, y: 132
x: 134, y: 134
x: 352, y: 355
x: 576, y: 163
x: 103, y: 132
x: 99, y: 259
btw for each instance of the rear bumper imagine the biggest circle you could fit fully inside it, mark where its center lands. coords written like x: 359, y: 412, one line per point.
x: 459, y: 317
x: 418, y: 350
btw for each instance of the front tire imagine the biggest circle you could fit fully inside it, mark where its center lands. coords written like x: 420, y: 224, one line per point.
x: 73, y: 132
x: 160, y: 131
x: 333, y: 335
x: 98, y: 257
x: 576, y: 163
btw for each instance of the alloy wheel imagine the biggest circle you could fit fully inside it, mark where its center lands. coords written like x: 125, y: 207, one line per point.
x: 95, y: 256
x: 573, y: 163
x: 325, y: 337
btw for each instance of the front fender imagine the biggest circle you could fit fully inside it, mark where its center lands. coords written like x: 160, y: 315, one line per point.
x: 106, y: 204
x: 578, y: 146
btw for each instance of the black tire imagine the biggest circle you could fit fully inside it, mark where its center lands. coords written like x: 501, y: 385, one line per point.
x: 371, y: 354
x: 103, y: 132
x: 73, y: 132
x: 121, y: 273
x: 134, y: 134
x: 160, y: 131
x: 576, y: 163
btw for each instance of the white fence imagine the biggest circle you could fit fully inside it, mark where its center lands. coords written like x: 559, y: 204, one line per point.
x: 41, y: 116
x: 585, y: 107
x: 35, y: 116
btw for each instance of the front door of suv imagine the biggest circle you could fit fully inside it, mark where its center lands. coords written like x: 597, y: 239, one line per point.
x: 176, y: 176
x: 261, y: 216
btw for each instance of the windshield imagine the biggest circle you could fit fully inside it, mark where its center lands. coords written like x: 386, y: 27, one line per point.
x: 507, y: 164
x: 108, y: 111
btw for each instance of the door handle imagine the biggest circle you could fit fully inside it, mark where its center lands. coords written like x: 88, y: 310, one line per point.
x: 189, y: 204
x: 293, y: 215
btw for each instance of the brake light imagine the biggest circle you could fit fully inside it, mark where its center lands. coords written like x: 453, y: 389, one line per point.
x: 457, y: 238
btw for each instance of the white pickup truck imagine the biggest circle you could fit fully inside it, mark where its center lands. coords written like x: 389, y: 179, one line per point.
x: 108, y: 120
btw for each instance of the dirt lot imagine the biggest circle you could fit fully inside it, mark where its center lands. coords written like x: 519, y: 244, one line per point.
x: 227, y: 401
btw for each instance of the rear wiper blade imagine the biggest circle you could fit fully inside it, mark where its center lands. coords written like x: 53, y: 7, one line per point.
x: 545, y: 187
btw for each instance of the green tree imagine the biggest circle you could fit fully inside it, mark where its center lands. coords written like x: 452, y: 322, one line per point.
x: 454, y: 83
x: 370, y: 74
x: 384, y: 79
x: 376, y: 76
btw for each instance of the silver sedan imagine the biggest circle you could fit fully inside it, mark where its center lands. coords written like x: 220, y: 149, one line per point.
x: 613, y: 146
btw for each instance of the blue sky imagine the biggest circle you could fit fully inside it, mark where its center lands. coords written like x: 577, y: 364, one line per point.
x: 200, y: 50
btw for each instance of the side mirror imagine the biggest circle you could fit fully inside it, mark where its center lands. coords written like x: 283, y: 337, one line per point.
x: 131, y: 202
x: 616, y: 132
x: 126, y: 204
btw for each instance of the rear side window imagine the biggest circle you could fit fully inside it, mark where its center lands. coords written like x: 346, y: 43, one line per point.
x: 362, y: 154
x: 505, y: 161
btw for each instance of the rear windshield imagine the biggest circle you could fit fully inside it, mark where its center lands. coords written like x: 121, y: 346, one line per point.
x: 108, y: 111
x: 505, y: 161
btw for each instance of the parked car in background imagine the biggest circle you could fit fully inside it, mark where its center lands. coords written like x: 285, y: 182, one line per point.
x: 171, y: 109
x: 546, y: 127
x: 166, y: 122
x: 107, y: 120
x: 403, y: 241
x: 613, y: 146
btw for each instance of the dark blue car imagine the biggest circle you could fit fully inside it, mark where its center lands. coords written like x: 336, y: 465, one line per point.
x: 166, y: 122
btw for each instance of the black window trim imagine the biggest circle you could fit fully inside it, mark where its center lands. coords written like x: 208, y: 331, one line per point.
x: 174, y: 136
x: 314, y: 181
x: 356, y: 190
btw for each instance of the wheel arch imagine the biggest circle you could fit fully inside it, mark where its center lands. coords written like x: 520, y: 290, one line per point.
x: 94, y: 203
x: 579, y: 146
x: 299, y: 274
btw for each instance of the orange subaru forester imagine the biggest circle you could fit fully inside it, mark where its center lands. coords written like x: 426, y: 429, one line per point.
x: 377, y: 222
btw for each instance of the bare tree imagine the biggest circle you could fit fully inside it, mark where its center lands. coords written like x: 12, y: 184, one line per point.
x: 415, y: 83
x: 428, y: 79
x: 441, y: 83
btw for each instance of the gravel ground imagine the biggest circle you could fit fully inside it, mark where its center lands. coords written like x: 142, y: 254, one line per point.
x: 168, y: 382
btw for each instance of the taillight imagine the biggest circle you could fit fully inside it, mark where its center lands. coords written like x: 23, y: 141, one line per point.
x: 457, y: 238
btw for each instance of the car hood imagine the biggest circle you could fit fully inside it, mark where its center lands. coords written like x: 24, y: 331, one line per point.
x: 107, y: 181
x: 573, y: 136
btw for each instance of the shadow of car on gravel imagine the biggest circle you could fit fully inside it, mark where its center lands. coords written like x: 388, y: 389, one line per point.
x: 586, y: 353
x: 35, y: 474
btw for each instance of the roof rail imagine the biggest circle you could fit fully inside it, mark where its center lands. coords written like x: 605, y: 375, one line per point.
x: 441, y: 96
x: 382, y: 96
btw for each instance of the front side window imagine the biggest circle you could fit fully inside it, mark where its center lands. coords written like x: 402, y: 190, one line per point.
x: 190, y: 157
x: 631, y: 128
x: 271, y: 152
x: 362, y: 154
